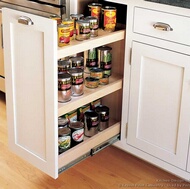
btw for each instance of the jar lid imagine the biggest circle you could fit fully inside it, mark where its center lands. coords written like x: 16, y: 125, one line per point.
x: 77, y: 15
x: 96, y: 70
x: 91, y: 18
x: 64, y: 131
x: 65, y: 76
x: 91, y: 114
x: 102, y: 109
x: 75, y: 71
x: 77, y: 59
x: 62, y: 122
x: 109, y: 8
x: 83, y: 22
x: 76, y: 125
x: 95, y: 5
x: 104, y: 48
x: 62, y: 62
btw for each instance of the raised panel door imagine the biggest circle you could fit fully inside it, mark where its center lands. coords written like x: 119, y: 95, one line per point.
x: 159, y: 103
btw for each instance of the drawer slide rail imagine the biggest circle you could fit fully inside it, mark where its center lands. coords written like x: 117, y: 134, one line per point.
x: 92, y: 152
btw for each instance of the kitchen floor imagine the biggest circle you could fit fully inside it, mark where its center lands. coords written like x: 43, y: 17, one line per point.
x: 109, y: 169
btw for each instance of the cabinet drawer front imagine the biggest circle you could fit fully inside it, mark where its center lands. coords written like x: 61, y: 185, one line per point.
x: 144, y: 20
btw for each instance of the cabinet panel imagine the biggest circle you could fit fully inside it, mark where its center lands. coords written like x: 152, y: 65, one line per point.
x: 31, y: 85
x: 159, y: 102
x: 144, y: 25
x: 31, y: 94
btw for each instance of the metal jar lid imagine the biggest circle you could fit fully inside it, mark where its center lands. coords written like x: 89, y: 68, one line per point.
x: 63, y: 122
x: 91, y: 19
x: 77, y: 16
x: 63, y: 131
x: 95, y: 5
x: 76, y: 71
x: 109, y: 8
x: 64, y: 63
x: 76, y: 125
x: 102, y: 109
x: 64, y: 76
x: 77, y: 59
x: 91, y: 114
x: 84, y: 23
x: 104, y: 48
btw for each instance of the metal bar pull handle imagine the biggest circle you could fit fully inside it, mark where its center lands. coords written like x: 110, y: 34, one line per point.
x: 162, y: 26
x: 25, y: 20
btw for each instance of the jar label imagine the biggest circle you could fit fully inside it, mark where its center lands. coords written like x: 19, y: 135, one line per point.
x: 64, y: 85
x: 64, y: 142
x: 78, y: 135
x: 77, y: 80
x: 109, y: 19
x: 95, y: 12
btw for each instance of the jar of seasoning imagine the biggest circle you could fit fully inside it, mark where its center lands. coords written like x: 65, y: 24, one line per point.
x: 63, y: 35
x: 64, y: 139
x: 93, y: 25
x: 103, y: 114
x: 91, y: 59
x: 56, y: 17
x: 105, y: 59
x: 64, y: 87
x: 91, y: 82
x: 82, y: 30
x: 70, y: 23
x: 104, y: 80
x: 63, y: 66
x: 77, y: 62
x: 63, y: 122
x: 109, y: 18
x: 77, y: 76
x: 76, y: 17
x: 77, y: 132
x: 95, y: 10
x: 91, y: 123
x: 96, y: 73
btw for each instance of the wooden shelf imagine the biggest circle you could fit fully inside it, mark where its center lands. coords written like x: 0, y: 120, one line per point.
x: 115, y: 83
x: 80, y: 46
x: 84, y: 147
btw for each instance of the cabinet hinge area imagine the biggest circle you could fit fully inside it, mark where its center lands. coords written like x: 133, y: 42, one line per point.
x: 92, y: 152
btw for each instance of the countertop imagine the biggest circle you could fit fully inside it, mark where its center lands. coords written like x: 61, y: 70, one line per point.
x: 157, y: 5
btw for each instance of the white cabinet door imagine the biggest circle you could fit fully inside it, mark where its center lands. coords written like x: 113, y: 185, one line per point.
x: 31, y: 86
x: 159, y: 121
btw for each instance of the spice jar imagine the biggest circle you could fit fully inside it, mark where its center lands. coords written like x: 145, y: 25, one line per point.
x: 91, y: 59
x: 70, y: 23
x: 95, y: 10
x: 64, y: 87
x: 103, y: 113
x: 82, y: 30
x: 91, y: 82
x: 109, y: 18
x: 93, y: 25
x: 91, y: 123
x: 63, y: 35
x: 63, y: 66
x: 96, y: 73
x: 105, y: 59
x: 77, y: 62
x: 64, y: 139
x: 77, y: 81
x: 77, y: 132
x: 76, y: 17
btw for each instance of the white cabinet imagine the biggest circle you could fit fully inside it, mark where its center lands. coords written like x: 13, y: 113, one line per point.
x: 159, y: 103
x: 31, y: 55
x: 158, y: 124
